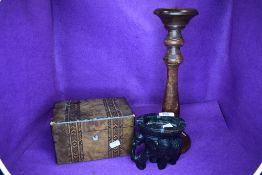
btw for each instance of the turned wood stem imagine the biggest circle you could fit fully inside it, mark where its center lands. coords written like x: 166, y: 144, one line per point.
x: 171, y: 100
x: 172, y: 59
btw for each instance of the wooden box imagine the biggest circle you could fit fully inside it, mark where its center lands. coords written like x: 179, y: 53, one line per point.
x: 92, y: 129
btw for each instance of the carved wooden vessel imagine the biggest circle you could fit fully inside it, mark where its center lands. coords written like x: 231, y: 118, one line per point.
x: 161, y: 138
x: 174, y: 20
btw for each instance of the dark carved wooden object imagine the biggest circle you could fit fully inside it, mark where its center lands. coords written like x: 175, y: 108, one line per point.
x: 162, y: 145
x: 174, y: 20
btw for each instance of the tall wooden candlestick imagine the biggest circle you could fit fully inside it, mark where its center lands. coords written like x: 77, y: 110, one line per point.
x: 175, y: 20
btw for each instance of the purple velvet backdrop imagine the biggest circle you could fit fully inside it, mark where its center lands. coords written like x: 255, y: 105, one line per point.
x: 84, y: 49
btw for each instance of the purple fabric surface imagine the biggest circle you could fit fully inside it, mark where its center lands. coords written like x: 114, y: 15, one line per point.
x: 213, y: 151
x: 54, y: 50
x: 27, y: 73
x: 241, y: 93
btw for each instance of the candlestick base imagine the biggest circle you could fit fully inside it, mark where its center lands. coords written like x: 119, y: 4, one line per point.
x: 186, y: 141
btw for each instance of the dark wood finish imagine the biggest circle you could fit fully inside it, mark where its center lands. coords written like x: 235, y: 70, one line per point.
x: 161, y: 145
x: 174, y: 21
x: 83, y: 130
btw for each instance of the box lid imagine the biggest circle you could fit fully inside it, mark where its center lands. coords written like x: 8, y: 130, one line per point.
x: 92, y: 110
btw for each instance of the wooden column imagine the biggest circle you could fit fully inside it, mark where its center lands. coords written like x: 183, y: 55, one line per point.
x: 172, y: 59
x: 174, y: 20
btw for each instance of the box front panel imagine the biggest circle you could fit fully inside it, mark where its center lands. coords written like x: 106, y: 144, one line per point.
x: 74, y: 142
x: 86, y: 129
